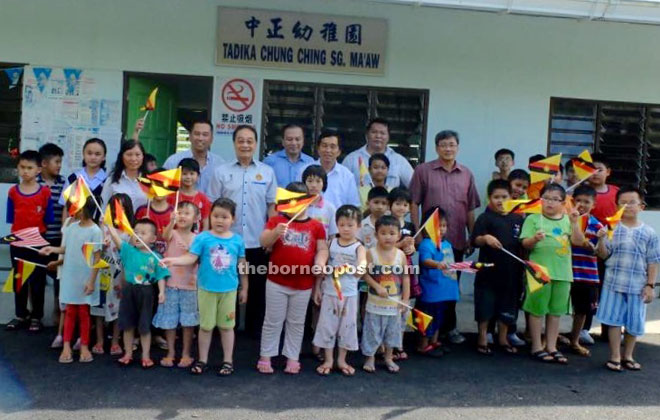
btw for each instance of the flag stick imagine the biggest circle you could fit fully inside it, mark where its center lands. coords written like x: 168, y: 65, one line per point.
x: 176, y: 200
x: 32, y: 248
x: 302, y: 210
x: 506, y: 251
x: 424, y: 224
x: 30, y: 262
x: 400, y: 303
x: 91, y: 194
x: 146, y: 246
x: 148, y: 207
x: 574, y: 186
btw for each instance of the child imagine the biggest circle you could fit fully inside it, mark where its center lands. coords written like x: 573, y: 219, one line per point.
x: 379, y: 166
x: 188, y: 192
x: 221, y: 256
x: 504, y: 160
x: 496, y: 289
x: 606, y: 204
x: 387, y: 280
x: 297, y: 244
x: 316, y: 180
x: 584, y: 291
x: 378, y: 207
x: 28, y: 205
x: 158, y: 210
x: 92, y: 171
x: 631, y: 260
x: 546, y: 236
x: 79, y: 287
x: 150, y: 163
x: 571, y: 176
x: 338, y: 318
x: 180, y: 305
x: 439, y: 286
x: 519, y: 182
x: 141, y: 270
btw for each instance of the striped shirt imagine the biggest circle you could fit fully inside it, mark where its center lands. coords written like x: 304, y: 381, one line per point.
x: 585, y: 263
x: 54, y: 229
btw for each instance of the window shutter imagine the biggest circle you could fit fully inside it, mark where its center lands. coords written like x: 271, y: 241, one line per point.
x: 572, y: 127
x: 405, y: 112
x: 346, y: 110
x: 652, y: 167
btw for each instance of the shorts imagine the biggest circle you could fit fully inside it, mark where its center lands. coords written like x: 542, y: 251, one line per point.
x: 216, y: 309
x: 495, y: 303
x: 622, y: 310
x: 379, y: 330
x: 136, y: 307
x: 437, y: 310
x: 180, y: 307
x: 552, y: 299
x: 584, y: 298
x: 337, y: 323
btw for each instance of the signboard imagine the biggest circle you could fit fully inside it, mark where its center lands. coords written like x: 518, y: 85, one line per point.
x: 300, y: 41
x: 236, y: 101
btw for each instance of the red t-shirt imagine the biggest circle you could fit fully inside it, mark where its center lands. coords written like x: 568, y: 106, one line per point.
x: 29, y: 210
x: 162, y: 219
x: 605, y: 204
x: 199, y: 199
x: 295, y: 249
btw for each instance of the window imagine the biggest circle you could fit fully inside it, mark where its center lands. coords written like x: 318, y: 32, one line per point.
x: 346, y: 109
x: 11, y: 95
x: 628, y: 133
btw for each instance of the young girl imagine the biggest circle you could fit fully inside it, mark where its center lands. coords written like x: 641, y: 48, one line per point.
x: 338, y: 318
x: 79, y: 281
x: 316, y: 181
x: 180, y: 305
x: 220, y: 253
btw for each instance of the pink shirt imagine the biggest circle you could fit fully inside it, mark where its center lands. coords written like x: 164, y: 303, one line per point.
x: 184, y: 277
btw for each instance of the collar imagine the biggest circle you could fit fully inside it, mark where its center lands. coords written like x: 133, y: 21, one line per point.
x: 236, y: 162
x: 319, y: 202
x: 282, y: 154
x: 99, y: 174
x: 388, y: 151
x: 334, y: 168
x: 123, y: 175
x: 435, y: 164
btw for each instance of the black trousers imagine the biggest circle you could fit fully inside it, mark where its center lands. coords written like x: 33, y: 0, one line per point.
x: 256, y: 304
x: 590, y: 316
x: 34, y: 286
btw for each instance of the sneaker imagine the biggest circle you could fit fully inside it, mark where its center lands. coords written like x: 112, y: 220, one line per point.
x: 76, y: 346
x: 489, y: 338
x: 515, y: 341
x: 586, y: 338
x: 57, y: 343
x: 456, y: 337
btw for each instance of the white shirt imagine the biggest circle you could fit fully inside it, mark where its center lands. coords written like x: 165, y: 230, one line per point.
x: 341, y: 189
x: 205, y: 172
x: 126, y: 185
x: 399, y: 173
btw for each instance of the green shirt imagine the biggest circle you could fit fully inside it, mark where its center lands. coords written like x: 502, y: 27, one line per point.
x: 140, y: 267
x: 553, y: 252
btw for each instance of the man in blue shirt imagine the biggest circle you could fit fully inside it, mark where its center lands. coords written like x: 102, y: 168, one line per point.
x: 288, y: 162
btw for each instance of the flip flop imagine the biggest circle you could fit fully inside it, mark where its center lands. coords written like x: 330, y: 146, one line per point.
x: 167, y: 362
x: 323, y: 370
x: 292, y: 367
x: 35, y: 325
x: 264, y: 367
x: 226, y: 369
x: 185, y: 362
x: 125, y: 361
x: 98, y: 349
x: 631, y: 365
x: 613, y: 366
x: 65, y: 360
x: 542, y: 356
x: 116, y: 350
x: 347, y: 370
x: 508, y: 349
x: 392, y: 367
x: 580, y: 350
x: 431, y: 351
x: 88, y: 359
x: 484, y: 350
x: 559, y: 358
x: 198, y: 368
x: 147, y: 363
x: 16, y: 324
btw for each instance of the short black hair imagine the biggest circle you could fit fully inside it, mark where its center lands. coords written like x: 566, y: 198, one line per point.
x: 290, y: 126
x: 244, y: 127
x: 584, y: 189
x: 382, y: 121
x: 89, y: 208
x: 317, y: 171
x: 387, y: 220
x: 350, y: 212
x: 202, y: 121
x: 429, y: 212
x: 330, y: 133
x: 505, y: 152
x: 600, y: 158
x: 381, y: 157
x: 127, y: 205
x: 446, y: 134
x: 190, y: 164
x: 569, y: 164
x: 519, y: 174
x: 187, y: 203
x: 146, y: 221
x: 629, y: 189
x: 399, y: 194
x: 377, y: 192
x: 50, y: 150
x: 148, y: 157
x: 553, y: 186
x: 30, y: 156
x: 225, y: 203
x: 297, y: 187
x: 498, y: 184
x: 536, y: 158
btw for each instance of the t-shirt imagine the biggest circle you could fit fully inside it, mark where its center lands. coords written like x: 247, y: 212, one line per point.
x: 181, y: 277
x: 140, y: 266
x: 605, y: 205
x: 29, y: 210
x: 218, y: 261
x: 585, y: 262
x: 408, y: 229
x: 554, y: 251
x: 339, y: 256
x: 54, y: 229
x: 437, y: 285
x: 161, y: 219
x: 324, y: 212
x: 296, y: 250
x: 75, y: 271
x: 200, y: 200
x: 367, y: 233
x: 387, y: 274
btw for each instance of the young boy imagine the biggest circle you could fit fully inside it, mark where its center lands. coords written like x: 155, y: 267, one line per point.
x: 631, y: 260
x: 504, y: 160
x: 379, y: 166
x: 496, y: 289
x: 378, y: 207
x: 160, y: 212
x: 28, y: 205
x: 188, y: 192
x: 571, y: 176
x: 584, y: 291
x: 387, y: 281
x: 316, y: 180
x: 519, y: 182
x: 141, y: 271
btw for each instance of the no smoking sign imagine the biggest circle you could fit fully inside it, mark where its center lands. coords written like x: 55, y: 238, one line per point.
x: 238, y: 95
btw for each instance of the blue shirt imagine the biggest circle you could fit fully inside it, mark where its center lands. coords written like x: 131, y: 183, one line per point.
x: 218, y: 261
x: 437, y: 285
x: 341, y: 189
x: 285, y: 170
x: 399, y: 173
x: 252, y: 188
x: 205, y: 172
x: 140, y: 266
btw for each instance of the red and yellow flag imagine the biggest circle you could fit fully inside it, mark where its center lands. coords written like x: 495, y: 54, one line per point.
x: 22, y: 274
x: 292, y: 202
x: 88, y: 253
x: 537, y: 276
x: 9, y: 283
x: 583, y: 165
x: 338, y: 272
x: 170, y: 179
x: 614, y: 220
x: 364, y: 171
x: 545, y: 168
x: 152, y: 188
x: 419, y: 320
x: 432, y: 228
x: 76, y: 195
x: 534, y: 190
x: 119, y: 221
x: 523, y: 206
x: 150, y: 105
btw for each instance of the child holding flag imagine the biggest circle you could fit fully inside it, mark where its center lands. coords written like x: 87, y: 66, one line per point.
x: 190, y: 173
x: 157, y: 209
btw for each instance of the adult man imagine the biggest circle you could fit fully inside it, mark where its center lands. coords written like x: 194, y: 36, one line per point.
x: 287, y: 163
x: 342, y: 188
x: 444, y: 182
x: 378, y: 134
x: 252, y: 186
x: 201, y: 138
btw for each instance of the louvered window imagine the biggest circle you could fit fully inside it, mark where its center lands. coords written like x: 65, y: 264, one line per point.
x: 11, y: 97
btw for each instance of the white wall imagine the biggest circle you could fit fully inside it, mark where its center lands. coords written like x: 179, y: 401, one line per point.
x: 490, y: 76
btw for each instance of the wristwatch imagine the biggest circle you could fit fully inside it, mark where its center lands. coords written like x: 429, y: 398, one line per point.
x: 652, y: 286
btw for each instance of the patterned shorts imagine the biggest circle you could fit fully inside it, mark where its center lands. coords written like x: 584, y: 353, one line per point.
x: 622, y: 310
x: 380, y: 329
x: 180, y: 307
x: 337, y: 323
x: 216, y: 309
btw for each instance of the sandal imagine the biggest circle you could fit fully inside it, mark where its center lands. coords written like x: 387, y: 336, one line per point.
x: 65, y: 359
x: 347, y: 370
x: 98, y: 349
x: 580, y: 350
x: 484, y: 350
x: 292, y: 367
x: 35, y: 325
x: 369, y: 367
x: 167, y: 362
x: 323, y: 370
x: 198, y: 368
x: 431, y: 351
x: 264, y: 366
x: 116, y: 350
x: 185, y: 362
x: 16, y: 324
x: 613, y: 366
x: 508, y: 349
x: 399, y: 355
x: 558, y: 357
x: 125, y: 361
x: 392, y: 367
x: 226, y: 369
x: 542, y: 356
x: 631, y: 365
x: 86, y: 359
x: 147, y: 363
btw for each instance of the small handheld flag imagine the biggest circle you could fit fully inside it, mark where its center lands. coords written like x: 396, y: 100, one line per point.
x: 150, y: 105
x: 537, y: 276
x: 119, y: 221
x: 338, y: 272
x: 28, y: 237
x: 291, y: 202
x: 432, y: 228
x: 419, y: 320
x: 76, y: 195
x: 24, y: 270
x: 88, y: 253
x: 545, y: 168
x: 614, y: 220
x: 364, y: 171
x: 523, y: 206
x: 153, y: 188
x: 170, y: 179
x: 469, y: 266
x: 583, y: 165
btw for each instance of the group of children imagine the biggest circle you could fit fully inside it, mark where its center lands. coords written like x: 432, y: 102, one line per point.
x: 184, y: 267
